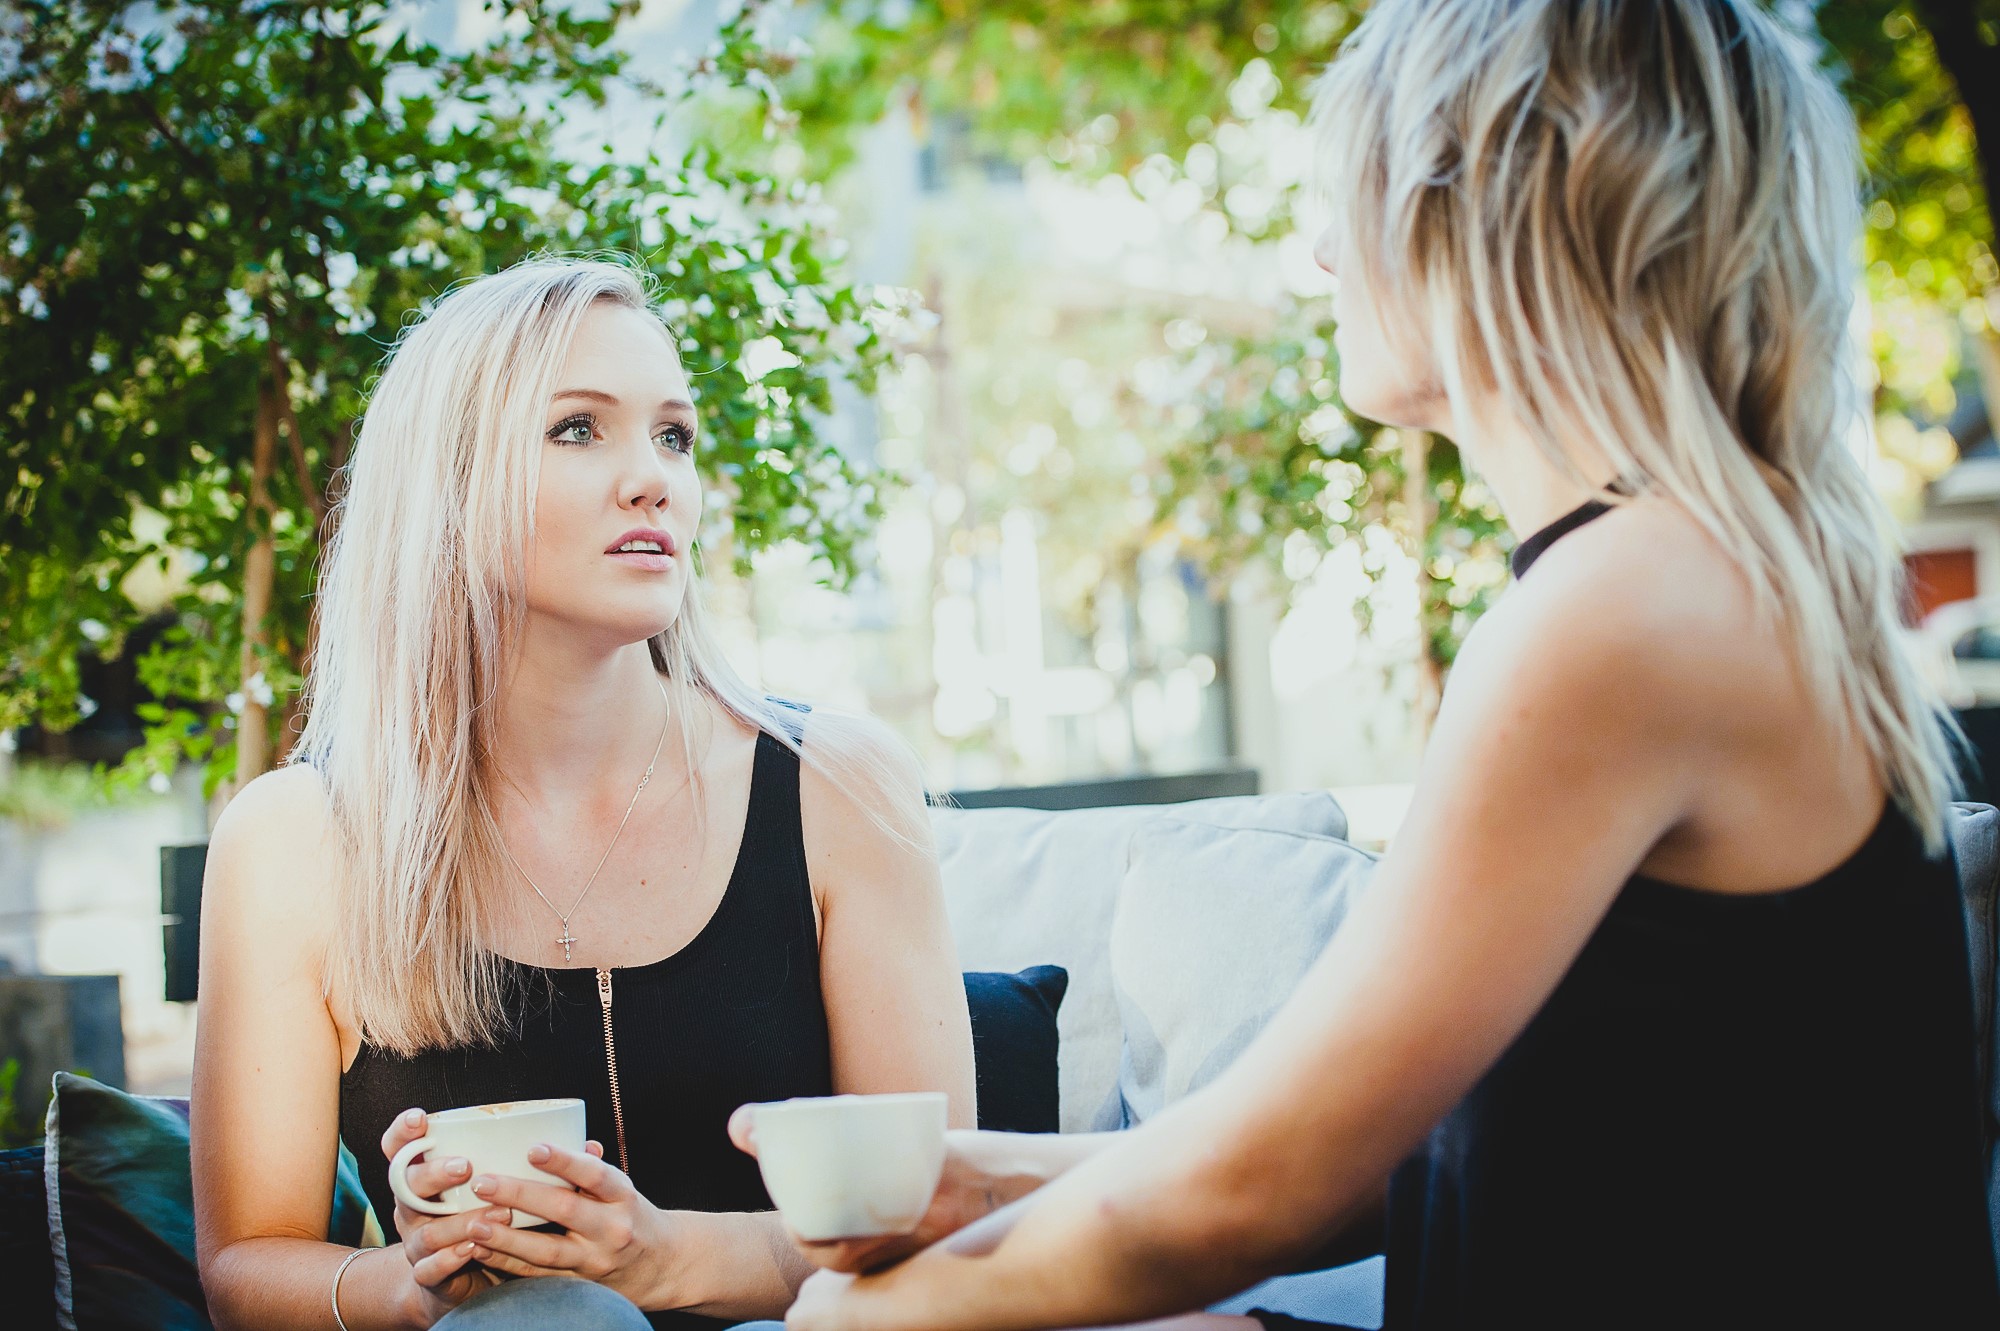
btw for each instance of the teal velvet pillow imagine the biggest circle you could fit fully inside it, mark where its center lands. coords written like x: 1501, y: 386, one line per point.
x: 121, y: 1210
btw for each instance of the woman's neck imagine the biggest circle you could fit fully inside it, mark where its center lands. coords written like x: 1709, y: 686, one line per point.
x: 570, y: 719
x: 1532, y: 492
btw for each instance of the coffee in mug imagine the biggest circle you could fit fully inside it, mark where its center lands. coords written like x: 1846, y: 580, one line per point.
x: 495, y: 1138
x: 852, y: 1166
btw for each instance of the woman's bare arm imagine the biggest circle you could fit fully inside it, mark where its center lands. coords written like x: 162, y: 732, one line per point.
x: 895, y: 998
x: 983, y: 1171
x: 889, y: 974
x: 1570, y: 745
x: 266, y: 1104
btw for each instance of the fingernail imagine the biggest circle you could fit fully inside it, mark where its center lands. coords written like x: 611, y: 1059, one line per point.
x: 465, y: 1249
x: 413, y: 1116
x: 499, y: 1215
x: 482, y: 1186
x: 481, y: 1253
x: 537, y: 1154
x: 480, y: 1230
x: 460, y: 1166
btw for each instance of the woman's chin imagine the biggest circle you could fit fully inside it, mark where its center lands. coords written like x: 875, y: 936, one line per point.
x: 1378, y: 397
x: 613, y: 628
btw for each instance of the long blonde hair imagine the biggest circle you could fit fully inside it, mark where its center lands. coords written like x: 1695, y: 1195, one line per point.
x: 1634, y: 222
x: 421, y: 602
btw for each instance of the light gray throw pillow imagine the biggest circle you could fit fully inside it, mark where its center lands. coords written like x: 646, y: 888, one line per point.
x: 1029, y: 887
x: 1213, y: 931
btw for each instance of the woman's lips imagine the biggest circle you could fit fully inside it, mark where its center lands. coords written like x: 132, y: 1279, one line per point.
x: 646, y: 561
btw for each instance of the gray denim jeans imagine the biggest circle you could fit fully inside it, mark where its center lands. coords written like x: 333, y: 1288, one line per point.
x: 546, y: 1303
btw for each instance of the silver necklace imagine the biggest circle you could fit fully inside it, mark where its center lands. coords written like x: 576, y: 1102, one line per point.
x: 568, y: 939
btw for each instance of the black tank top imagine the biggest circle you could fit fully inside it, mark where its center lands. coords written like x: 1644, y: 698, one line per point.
x: 1734, y: 1111
x: 732, y: 1017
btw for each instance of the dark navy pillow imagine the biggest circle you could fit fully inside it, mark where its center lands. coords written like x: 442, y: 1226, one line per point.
x: 1014, y: 1046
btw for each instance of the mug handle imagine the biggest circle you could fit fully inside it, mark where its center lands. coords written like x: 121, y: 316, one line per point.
x: 399, y: 1164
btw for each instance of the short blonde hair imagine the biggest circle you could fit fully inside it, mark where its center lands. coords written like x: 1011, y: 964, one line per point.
x: 1634, y: 223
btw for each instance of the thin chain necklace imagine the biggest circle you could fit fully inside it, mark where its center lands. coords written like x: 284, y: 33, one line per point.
x: 568, y: 939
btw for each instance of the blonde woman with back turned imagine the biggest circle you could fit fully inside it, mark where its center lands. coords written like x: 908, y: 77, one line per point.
x: 1657, y: 1013
x: 540, y: 842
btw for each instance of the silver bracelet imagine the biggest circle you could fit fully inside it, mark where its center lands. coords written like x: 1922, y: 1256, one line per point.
x: 340, y: 1271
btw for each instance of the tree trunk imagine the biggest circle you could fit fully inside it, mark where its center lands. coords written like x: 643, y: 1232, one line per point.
x: 1974, y: 66
x: 253, y: 727
x: 1422, y: 511
x: 291, y: 717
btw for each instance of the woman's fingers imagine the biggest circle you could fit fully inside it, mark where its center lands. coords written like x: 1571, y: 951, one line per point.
x: 408, y: 1222
x: 538, y: 1199
x: 405, y: 1127
x: 595, y: 1148
x: 743, y: 1129
x: 548, y: 1252
x: 514, y: 1266
x: 437, y: 1234
x: 429, y: 1178
x: 440, y: 1266
x: 819, y: 1304
x: 588, y: 1172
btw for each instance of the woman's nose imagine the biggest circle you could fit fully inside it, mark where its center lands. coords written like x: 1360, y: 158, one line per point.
x: 1323, y: 252
x: 646, y: 485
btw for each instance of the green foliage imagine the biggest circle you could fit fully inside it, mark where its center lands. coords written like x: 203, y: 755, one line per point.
x: 1273, y: 466
x: 1094, y: 87
x: 209, y: 196
x: 1929, y: 238
x: 14, y: 1133
x: 1928, y: 230
x: 1268, y: 467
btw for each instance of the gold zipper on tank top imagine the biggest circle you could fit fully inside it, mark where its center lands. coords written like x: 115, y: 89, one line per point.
x: 611, y: 1065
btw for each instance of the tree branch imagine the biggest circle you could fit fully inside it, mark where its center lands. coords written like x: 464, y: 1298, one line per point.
x: 194, y: 162
x: 281, y: 377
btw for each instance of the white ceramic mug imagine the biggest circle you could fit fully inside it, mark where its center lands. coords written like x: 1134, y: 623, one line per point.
x: 496, y: 1139
x: 852, y: 1166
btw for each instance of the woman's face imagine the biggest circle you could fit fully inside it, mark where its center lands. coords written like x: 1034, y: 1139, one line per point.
x: 1375, y: 381
x: 619, y: 500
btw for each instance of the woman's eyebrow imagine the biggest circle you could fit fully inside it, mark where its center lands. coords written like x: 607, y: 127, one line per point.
x: 609, y: 400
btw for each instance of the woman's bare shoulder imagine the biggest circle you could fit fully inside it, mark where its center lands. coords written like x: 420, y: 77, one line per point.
x: 271, y: 857
x: 1647, y: 573
x: 863, y: 765
x: 1641, y: 611
x: 861, y: 799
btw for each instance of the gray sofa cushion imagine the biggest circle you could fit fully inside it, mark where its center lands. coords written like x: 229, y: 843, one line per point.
x: 1214, y: 930
x: 1028, y: 887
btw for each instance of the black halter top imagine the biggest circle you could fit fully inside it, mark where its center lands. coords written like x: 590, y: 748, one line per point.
x: 1733, y: 1112
x: 732, y: 1017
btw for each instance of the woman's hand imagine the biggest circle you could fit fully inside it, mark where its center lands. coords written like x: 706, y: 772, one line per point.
x: 966, y: 1191
x: 615, y: 1236
x: 823, y: 1303
x: 439, y: 1248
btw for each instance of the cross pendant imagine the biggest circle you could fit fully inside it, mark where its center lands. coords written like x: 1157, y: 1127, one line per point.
x: 566, y: 940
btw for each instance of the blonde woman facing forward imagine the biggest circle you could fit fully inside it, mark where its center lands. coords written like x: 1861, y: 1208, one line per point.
x: 542, y: 843
x: 1657, y: 1014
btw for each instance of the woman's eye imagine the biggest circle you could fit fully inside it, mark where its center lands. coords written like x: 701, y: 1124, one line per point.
x: 578, y: 430
x: 677, y: 437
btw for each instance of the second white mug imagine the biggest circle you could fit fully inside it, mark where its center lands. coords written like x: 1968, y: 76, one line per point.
x: 852, y: 1166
